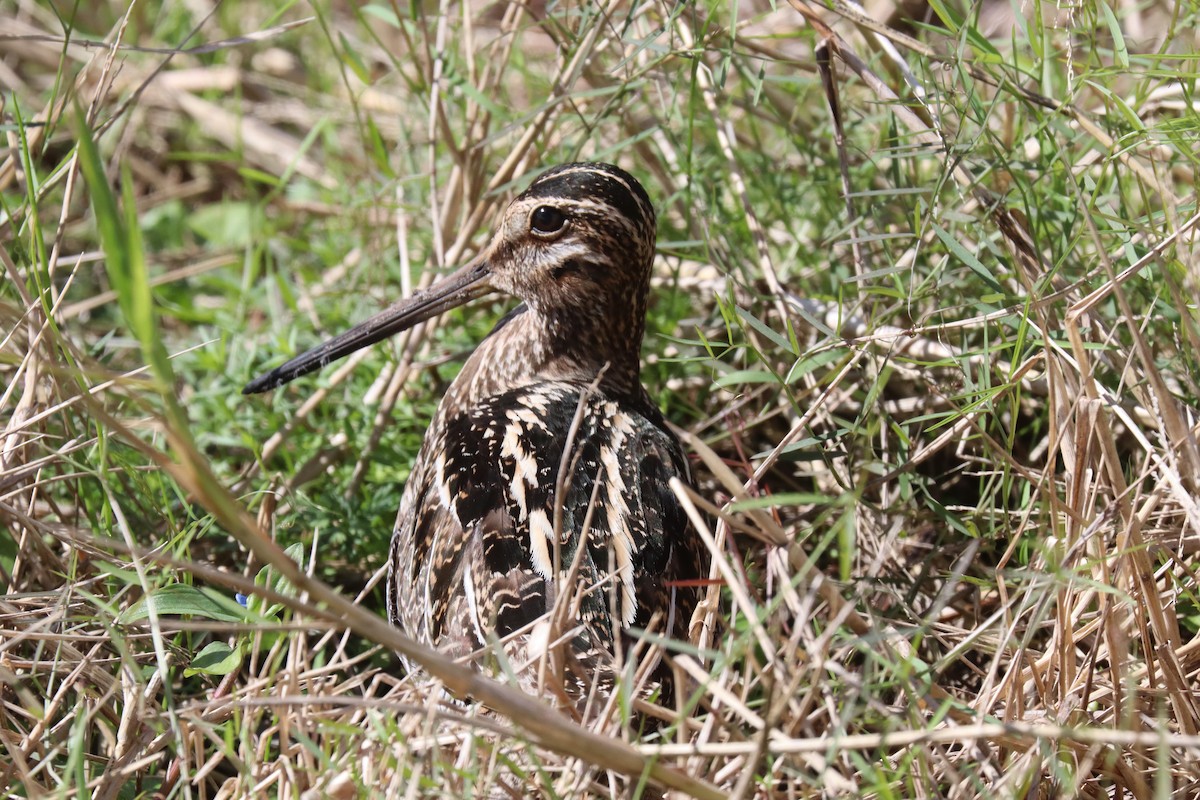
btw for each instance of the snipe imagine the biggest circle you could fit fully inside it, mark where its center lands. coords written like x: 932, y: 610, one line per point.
x: 543, y: 477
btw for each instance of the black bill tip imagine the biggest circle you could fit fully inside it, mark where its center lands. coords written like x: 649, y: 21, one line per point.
x: 264, y: 383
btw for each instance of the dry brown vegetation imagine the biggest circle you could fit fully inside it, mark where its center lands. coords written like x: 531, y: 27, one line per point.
x: 925, y: 313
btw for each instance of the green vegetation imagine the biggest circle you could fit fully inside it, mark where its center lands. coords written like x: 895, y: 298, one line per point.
x: 934, y: 347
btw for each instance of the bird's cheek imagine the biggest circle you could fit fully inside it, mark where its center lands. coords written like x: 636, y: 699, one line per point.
x: 510, y: 282
x: 534, y: 276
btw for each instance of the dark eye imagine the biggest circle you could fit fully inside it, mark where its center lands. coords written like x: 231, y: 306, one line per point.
x: 547, y: 219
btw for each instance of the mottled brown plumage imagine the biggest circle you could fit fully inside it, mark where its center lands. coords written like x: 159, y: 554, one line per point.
x: 543, y: 476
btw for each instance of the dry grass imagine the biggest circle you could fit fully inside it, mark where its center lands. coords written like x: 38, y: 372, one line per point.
x: 925, y: 315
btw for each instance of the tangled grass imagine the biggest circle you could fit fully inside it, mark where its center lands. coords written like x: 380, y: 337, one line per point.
x: 925, y: 314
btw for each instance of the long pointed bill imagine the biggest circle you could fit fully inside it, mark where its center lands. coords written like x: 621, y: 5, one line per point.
x: 459, y: 287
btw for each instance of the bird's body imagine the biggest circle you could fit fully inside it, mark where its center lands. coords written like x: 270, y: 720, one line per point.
x: 539, y: 510
x: 476, y: 555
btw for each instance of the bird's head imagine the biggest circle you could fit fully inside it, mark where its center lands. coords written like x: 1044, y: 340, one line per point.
x: 577, y: 246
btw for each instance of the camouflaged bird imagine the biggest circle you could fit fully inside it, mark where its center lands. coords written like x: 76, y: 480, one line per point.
x: 543, y: 476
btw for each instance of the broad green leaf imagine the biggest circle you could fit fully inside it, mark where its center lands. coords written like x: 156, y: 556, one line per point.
x: 217, y: 658
x: 178, y: 599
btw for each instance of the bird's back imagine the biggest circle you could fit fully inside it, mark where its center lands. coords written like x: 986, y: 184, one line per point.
x: 546, y: 494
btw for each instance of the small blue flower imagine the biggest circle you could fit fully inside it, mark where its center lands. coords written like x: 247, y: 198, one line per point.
x: 242, y: 599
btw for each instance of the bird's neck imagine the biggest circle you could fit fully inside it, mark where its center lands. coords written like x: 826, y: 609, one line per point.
x: 532, y: 347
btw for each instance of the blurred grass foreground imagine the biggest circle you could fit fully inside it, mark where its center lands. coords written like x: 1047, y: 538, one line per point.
x: 925, y: 309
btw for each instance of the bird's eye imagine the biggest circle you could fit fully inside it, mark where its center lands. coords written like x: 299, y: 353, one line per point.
x: 546, y: 220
